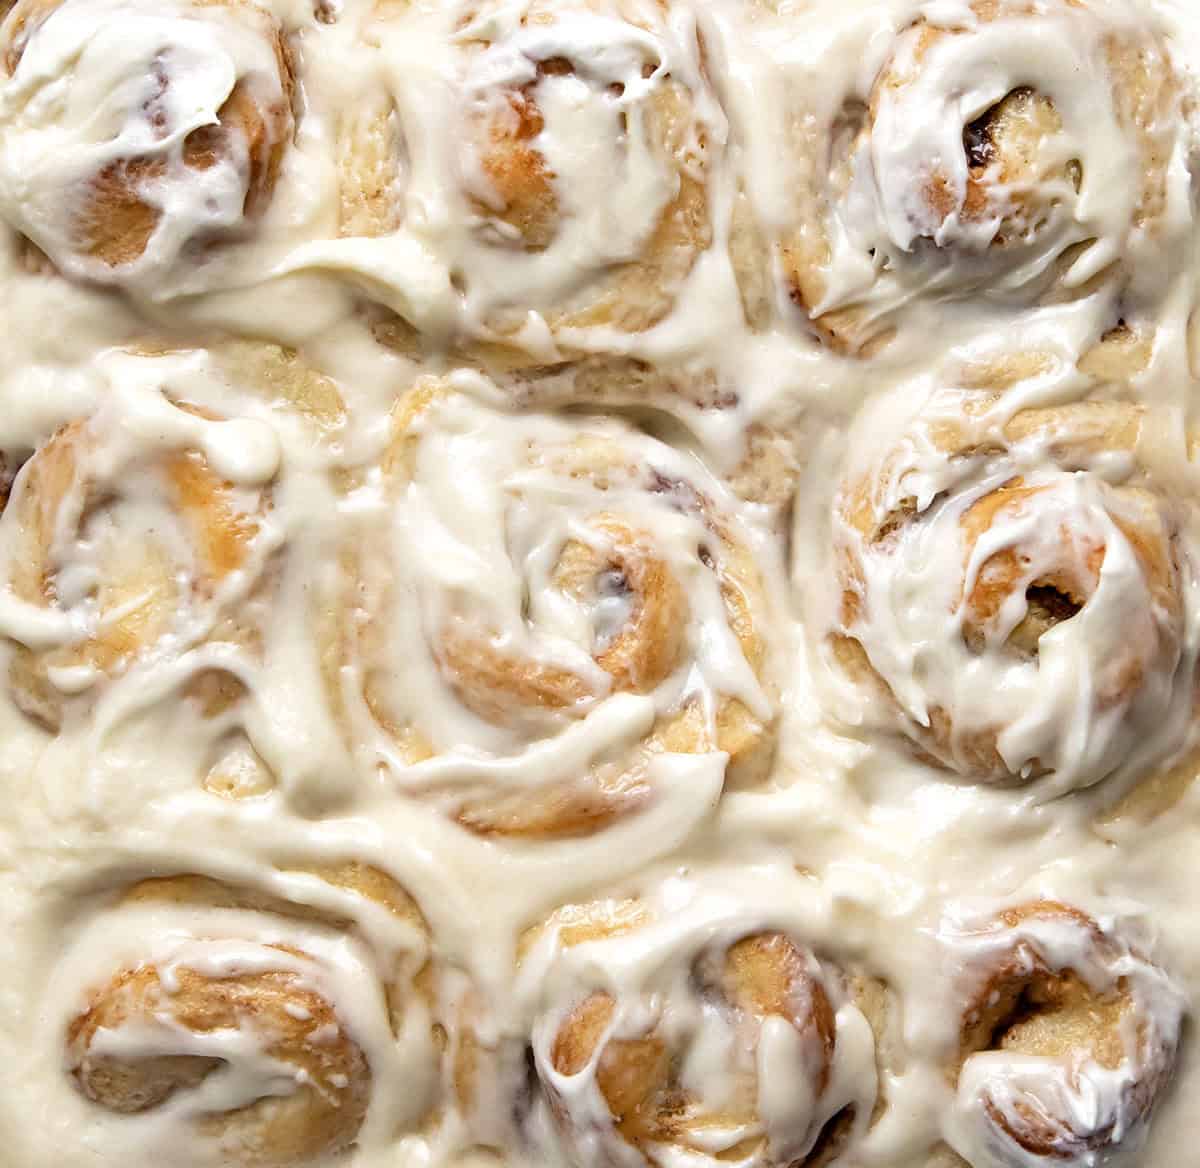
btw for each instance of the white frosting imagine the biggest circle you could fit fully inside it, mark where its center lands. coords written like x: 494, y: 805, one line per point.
x: 1058, y: 54
x: 1069, y: 710
x: 89, y: 94
x: 474, y: 547
x: 999, y: 1092
x: 655, y: 977
x: 455, y: 72
x: 853, y: 845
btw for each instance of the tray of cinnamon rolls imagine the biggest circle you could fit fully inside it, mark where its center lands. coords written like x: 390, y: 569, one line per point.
x: 599, y: 583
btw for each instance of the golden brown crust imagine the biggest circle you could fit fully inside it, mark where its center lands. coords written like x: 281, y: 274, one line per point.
x: 638, y: 1068
x: 1015, y: 165
x: 321, y: 1116
x: 1029, y: 1001
x: 139, y: 589
x: 286, y: 1009
x: 615, y: 559
x: 352, y: 876
x: 518, y: 204
x: 880, y: 512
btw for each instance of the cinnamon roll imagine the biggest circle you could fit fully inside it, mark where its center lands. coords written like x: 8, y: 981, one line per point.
x: 1068, y: 1040
x: 588, y: 606
x: 704, y: 1039
x: 1017, y: 150
x: 1010, y: 584
x: 132, y: 538
x: 135, y: 134
x: 248, y: 1027
x: 545, y: 97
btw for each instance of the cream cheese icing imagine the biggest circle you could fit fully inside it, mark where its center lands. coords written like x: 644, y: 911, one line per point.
x: 186, y: 675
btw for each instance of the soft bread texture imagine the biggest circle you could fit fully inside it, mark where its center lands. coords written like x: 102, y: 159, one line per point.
x: 630, y: 594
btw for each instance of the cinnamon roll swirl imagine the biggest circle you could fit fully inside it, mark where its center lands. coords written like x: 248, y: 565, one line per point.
x: 590, y: 608
x: 1011, y: 584
x: 1068, y: 1040
x: 246, y: 1025
x: 134, y: 135
x: 545, y: 98
x: 1018, y: 150
x: 132, y: 538
x: 698, y: 1040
